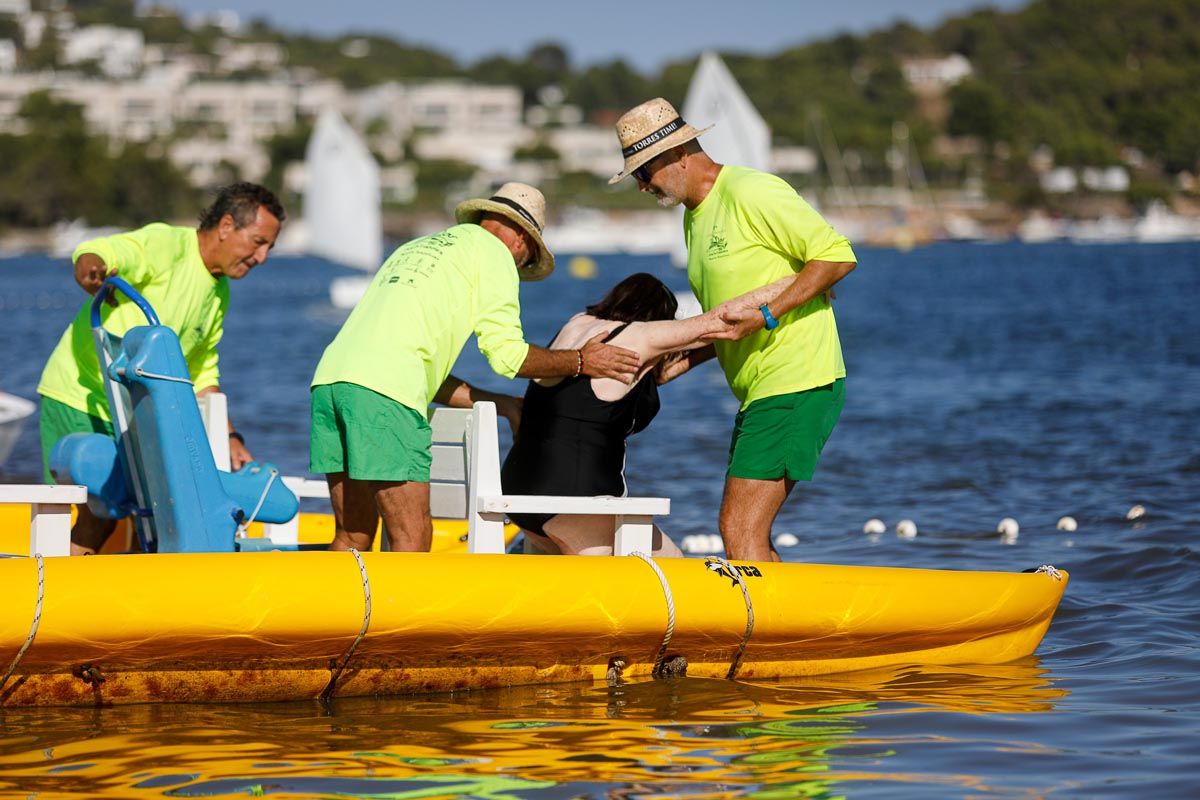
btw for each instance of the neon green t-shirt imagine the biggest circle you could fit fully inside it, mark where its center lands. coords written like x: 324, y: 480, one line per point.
x: 751, y: 230
x: 424, y: 303
x: 163, y: 263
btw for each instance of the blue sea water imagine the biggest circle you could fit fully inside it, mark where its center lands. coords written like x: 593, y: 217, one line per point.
x: 985, y: 381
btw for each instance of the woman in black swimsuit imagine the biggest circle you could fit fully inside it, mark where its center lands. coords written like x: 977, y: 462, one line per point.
x: 571, y: 441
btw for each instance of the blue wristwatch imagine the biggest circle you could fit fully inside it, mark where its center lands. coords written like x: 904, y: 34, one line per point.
x: 772, y: 323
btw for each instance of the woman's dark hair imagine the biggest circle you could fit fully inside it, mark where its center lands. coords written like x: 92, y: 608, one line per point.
x: 241, y: 201
x: 639, y: 298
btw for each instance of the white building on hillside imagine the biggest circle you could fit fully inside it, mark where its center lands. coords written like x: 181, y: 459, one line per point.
x: 1059, y: 180
x: 935, y: 74
x: 587, y: 148
x: 1105, y: 179
x: 8, y: 56
x: 487, y: 149
x: 118, y: 51
x: 204, y: 160
x: 233, y: 56
x: 244, y: 111
x: 122, y: 110
x: 464, y: 106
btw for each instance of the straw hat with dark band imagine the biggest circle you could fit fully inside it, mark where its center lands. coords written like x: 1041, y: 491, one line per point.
x: 649, y: 129
x: 525, y: 206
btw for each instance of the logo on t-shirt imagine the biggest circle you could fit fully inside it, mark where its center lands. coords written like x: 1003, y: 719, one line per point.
x: 718, y: 245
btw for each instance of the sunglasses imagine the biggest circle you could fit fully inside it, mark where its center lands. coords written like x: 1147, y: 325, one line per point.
x: 647, y: 170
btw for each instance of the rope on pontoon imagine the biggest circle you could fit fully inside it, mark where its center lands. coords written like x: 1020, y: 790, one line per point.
x: 366, y: 584
x: 741, y: 582
x: 1049, y: 569
x: 37, y: 619
x: 662, y: 579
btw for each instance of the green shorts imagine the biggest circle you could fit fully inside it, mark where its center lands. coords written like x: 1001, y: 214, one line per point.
x: 782, y: 436
x: 368, y: 436
x: 57, y: 420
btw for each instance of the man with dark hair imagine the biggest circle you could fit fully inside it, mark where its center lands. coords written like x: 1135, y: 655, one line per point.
x: 184, y: 273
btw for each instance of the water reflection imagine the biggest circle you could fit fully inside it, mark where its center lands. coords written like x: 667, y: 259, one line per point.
x: 799, y: 738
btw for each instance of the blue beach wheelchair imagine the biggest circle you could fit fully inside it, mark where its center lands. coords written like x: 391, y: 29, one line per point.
x: 158, y: 466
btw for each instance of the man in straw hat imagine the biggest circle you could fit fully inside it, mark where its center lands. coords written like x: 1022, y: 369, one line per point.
x: 745, y: 230
x: 373, y: 385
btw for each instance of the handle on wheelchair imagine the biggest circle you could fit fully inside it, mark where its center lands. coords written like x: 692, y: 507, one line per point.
x: 108, y: 287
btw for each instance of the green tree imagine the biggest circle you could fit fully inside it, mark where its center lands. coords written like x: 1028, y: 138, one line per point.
x: 57, y: 171
x: 612, y: 86
x: 976, y: 109
x: 438, y: 178
x: 283, y: 148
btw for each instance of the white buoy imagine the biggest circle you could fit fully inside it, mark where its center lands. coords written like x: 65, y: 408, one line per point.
x: 1008, y: 538
x: 1008, y: 527
x: 906, y: 529
x: 694, y: 543
x: 1137, y: 512
x: 874, y: 525
x: 1067, y: 524
x: 786, y: 540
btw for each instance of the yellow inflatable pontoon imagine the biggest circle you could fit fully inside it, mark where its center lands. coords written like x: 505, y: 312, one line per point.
x: 199, y: 627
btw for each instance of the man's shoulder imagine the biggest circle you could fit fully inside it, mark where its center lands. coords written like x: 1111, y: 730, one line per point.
x: 161, y: 230
x: 174, y: 238
x: 744, y: 182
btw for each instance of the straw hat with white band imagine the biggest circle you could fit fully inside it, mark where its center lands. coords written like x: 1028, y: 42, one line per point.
x: 649, y: 129
x: 525, y: 206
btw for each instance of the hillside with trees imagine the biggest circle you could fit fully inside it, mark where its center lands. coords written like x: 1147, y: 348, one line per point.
x: 1074, y: 81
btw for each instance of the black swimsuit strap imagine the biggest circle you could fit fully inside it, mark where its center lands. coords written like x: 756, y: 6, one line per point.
x: 616, y: 330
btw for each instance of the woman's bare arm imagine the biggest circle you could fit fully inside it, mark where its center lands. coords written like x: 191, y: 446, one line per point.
x: 677, y: 364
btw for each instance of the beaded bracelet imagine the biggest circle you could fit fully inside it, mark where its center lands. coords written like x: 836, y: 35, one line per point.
x: 578, y: 364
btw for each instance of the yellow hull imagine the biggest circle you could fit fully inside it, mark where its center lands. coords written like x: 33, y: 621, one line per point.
x: 270, y: 626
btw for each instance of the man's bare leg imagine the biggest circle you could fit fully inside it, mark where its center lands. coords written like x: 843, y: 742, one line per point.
x: 354, y: 512
x: 748, y: 510
x: 89, y: 532
x: 405, y: 510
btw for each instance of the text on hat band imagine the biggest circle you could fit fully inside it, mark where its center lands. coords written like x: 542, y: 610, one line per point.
x: 642, y: 144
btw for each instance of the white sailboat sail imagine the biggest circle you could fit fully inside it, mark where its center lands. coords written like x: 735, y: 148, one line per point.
x: 741, y: 136
x: 341, y: 197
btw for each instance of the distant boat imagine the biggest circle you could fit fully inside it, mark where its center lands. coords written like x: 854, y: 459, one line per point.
x: 342, y: 204
x: 1160, y: 224
x: 1038, y: 227
x: 13, y: 413
x: 1108, y: 229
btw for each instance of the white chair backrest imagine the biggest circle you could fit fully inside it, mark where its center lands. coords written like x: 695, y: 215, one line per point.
x: 451, y: 462
x: 465, y: 484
